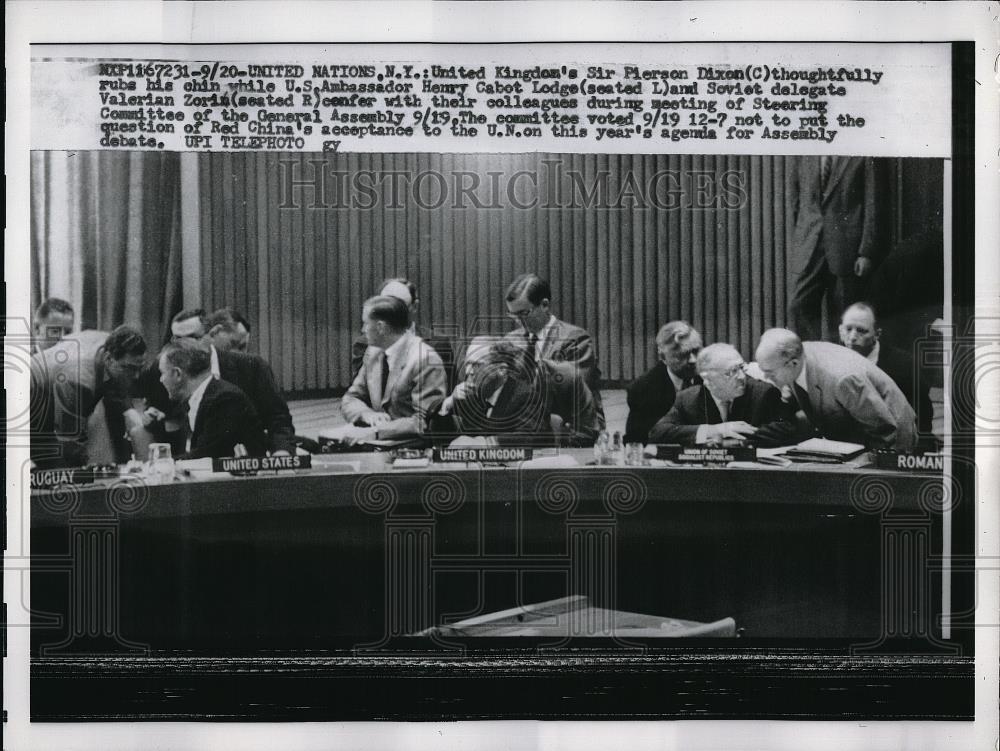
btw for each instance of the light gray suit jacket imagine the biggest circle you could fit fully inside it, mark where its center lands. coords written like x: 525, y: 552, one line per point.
x: 415, y: 388
x: 853, y: 400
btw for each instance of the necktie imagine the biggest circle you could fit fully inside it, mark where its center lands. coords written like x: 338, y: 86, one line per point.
x: 532, y: 345
x: 803, y: 400
x: 724, y: 410
x: 385, y: 378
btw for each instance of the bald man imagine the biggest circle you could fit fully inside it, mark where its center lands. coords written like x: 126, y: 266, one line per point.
x: 728, y: 406
x: 841, y: 395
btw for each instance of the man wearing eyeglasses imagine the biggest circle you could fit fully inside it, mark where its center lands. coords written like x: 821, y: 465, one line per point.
x: 545, y: 337
x: 79, y: 397
x: 728, y: 407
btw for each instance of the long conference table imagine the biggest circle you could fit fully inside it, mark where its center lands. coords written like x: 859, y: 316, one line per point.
x: 349, y: 559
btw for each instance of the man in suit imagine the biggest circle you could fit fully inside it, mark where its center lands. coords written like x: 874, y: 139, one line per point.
x: 79, y: 394
x: 401, y: 381
x: 250, y: 373
x: 839, y: 393
x: 406, y: 291
x: 221, y: 418
x: 836, y: 240
x: 54, y: 319
x: 545, y: 337
x: 727, y: 406
x: 517, y: 400
x: 651, y: 396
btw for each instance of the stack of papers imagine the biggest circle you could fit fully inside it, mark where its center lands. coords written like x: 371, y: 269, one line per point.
x: 824, y: 451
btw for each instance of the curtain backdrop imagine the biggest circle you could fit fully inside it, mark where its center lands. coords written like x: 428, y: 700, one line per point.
x: 105, y: 235
x: 285, y: 245
x: 298, y: 241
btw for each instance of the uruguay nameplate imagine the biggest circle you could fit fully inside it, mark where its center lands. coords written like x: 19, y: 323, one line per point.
x: 485, y: 455
x: 251, y: 465
x: 46, y: 479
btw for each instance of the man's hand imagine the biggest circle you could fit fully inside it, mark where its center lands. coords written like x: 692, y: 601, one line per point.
x: 862, y: 266
x: 353, y: 434
x: 735, y: 430
x: 375, y: 419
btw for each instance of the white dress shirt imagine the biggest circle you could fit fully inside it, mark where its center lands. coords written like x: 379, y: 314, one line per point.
x: 194, y: 401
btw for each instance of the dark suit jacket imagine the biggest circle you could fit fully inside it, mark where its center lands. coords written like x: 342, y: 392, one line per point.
x: 225, y: 418
x: 842, y: 220
x: 853, y: 400
x: 570, y: 344
x: 650, y: 397
x: 760, y: 405
x: 524, y: 407
x: 254, y: 377
x: 899, y: 364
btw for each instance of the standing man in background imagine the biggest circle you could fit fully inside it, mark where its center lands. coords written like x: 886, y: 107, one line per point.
x: 836, y: 243
x: 545, y: 337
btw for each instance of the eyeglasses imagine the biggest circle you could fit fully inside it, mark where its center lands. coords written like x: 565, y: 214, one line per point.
x: 731, y: 372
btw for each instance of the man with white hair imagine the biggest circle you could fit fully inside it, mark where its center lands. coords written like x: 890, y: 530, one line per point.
x: 840, y: 394
x: 729, y: 406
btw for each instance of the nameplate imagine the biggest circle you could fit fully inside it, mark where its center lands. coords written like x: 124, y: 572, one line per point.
x: 706, y: 455
x: 483, y: 455
x: 906, y: 462
x: 251, y: 465
x: 46, y: 479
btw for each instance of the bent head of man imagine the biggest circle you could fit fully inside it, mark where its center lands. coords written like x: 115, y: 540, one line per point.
x: 528, y: 302
x: 402, y: 289
x: 780, y: 356
x: 384, y: 320
x: 54, y: 319
x: 124, y: 355
x: 189, y: 324
x: 858, y: 328
x: 182, y: 365
x: 227, y: 330
x: 722, y: 369
x: 677, y: 346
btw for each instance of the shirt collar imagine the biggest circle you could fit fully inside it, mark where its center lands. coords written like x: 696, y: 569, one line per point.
x: 873, y: 355
x: 194, y: 401
x: 675, y: 379
x: 215, y: 362
x: 719, y: 404
x: 397, y: 346
x: 546, y: 329
x: 801, y: 380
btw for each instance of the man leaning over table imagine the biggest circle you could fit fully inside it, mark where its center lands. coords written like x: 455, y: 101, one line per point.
x: 728, y: 406
x: 402, y: 379
x: 839, y: 394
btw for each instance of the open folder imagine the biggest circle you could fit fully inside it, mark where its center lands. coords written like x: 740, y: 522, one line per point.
x: 823, y: 450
